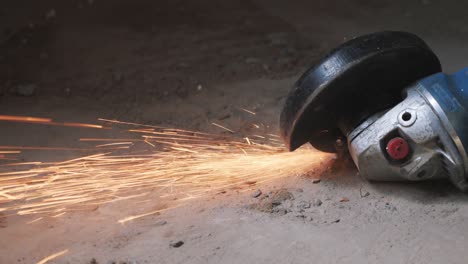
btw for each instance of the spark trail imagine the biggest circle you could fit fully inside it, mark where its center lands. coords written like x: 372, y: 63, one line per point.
x: 183, y: 164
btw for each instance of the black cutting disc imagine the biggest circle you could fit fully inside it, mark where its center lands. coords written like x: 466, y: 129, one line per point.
x: 357, y: 79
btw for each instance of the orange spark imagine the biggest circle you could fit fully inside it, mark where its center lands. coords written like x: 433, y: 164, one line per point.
x: 225, y: 128
x: 111, y: 139
x: 58, y: 215
x: 46, y: 121
x: 10, y: 152
x: 114, y: 144
x: 35, y: 220
x: 27, y: 119
x: 133, y: 217
x: 53, y: 256
x: 248, y: 111
x: 52, y: 148
x: 80, y: 125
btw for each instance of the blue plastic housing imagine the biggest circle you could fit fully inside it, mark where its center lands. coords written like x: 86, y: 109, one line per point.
x: 451, y: 93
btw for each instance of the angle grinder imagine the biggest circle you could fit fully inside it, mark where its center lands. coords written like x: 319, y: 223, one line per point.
x: 385, y: 94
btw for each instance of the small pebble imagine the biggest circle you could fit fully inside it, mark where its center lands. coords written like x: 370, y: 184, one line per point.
x: 177, y: 244
x: 287, y: 204
x: 344, y: 200
x: 257, y: 193
x: 303, y: 205
x: 282, y: 211
x: 276, y: 203
x: 316, y: 181
x: 390, y: 207
x: 366, y: 194
x: 161, y: 223
x: 317, y: 202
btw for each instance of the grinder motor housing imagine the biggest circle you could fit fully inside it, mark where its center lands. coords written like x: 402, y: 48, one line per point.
x: 428, y: 146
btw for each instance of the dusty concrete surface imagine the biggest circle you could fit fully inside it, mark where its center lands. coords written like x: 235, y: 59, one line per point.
x: 187, y: 64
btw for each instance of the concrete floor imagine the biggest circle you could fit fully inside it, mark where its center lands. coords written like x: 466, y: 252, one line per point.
x: 142, y: 61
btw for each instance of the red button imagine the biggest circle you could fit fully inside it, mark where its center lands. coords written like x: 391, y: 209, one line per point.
x: 398, y: 148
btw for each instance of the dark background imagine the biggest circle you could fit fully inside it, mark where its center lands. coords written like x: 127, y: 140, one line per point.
x: 157, y: 50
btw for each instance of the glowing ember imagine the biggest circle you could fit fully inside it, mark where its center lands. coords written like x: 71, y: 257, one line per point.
x: 181, y: 164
